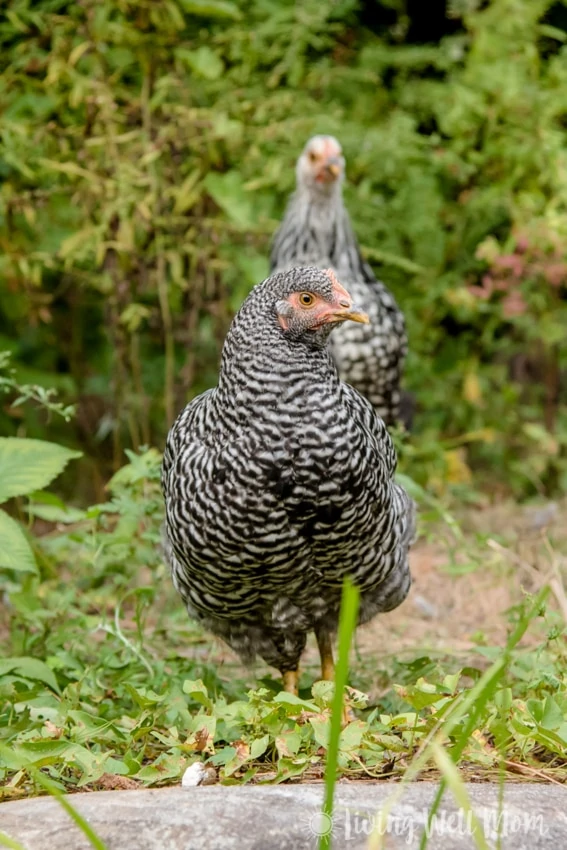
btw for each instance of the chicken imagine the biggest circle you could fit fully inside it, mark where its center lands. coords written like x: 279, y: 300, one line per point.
x: 316, y: 231
x: 278, y: 483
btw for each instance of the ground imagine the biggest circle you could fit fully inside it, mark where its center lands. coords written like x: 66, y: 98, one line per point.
x: 474, y: 661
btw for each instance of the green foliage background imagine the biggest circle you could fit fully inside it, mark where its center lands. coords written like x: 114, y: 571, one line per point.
x: 147, y: 152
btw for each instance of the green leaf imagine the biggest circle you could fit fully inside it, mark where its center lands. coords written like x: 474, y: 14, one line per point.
x: 259, y: 746
x: 29, y: 668
x: 203, y: 61
x: 212, y: 9
x: 15, y: 551
x: 553, y: 716
x: 45, y: 752
x: 290, y: 767
x: 53, y: 513
x: 390, y: 742
x: 223, y: 756
x: 164, y: 767
x: 321, y: 726
x: 145, y: 697
x: 288, y: 743
x: 27, y: 465
x: 323, y: 692
x: 228, y: 191
x: 351, y: 736
x: 197, y: 691
x: 295, y: 701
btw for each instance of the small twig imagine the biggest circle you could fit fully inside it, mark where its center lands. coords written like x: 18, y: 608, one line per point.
x: 531, y: 771
x: 541, y: 578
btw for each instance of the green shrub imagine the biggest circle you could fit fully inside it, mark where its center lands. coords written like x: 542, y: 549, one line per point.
x: 147, y: 152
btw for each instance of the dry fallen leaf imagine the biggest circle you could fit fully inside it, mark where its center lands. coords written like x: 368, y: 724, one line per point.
x: 115, y: 782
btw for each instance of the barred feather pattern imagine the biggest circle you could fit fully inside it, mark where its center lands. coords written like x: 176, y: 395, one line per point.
x: 278, y: 483
x: 316, y: 231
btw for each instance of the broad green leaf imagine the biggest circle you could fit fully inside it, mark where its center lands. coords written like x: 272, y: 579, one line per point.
x: 27, y: 465
x: 15, y: 551
x: 39, y: 750
x: 288, y: 743
x: 351, y: 735
x: 259, y: 746
x: 421, y: 694
x: 221, y: 757
x: 145, y: 697
x: 228, y: 192
x: 323, y: 692
x: 295, y: 701
x: 321, y: 726
x: 89, y: 726
x: 29, y: 668
x: 289, y: 767
x: 254, y: 267
x: 164, y: 767
x: 197, y: 691
x: 390, y: 742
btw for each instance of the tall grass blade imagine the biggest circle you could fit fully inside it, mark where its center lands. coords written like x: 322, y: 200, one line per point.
x: 6, y: 841
x: 347, y: 626
x: 453, y: 780
x: 85, y: 827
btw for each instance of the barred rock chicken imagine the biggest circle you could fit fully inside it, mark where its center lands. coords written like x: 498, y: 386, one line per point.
x: 316, y: 231
x: 278, y: 483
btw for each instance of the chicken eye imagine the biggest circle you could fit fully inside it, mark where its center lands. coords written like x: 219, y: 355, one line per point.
x: 312, y: 156
x: 306, y: 299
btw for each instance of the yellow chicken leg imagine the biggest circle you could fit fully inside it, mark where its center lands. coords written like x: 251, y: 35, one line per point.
x: 291, y: 681
x: 326, y: 653
x: 325, y: 645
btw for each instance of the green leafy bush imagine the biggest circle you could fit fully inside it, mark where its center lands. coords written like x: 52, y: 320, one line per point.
x: 146, y: 155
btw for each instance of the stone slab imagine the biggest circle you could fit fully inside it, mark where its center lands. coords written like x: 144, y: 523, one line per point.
x: 286, y: 817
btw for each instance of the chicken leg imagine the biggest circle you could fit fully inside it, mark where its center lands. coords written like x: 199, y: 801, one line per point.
x: 291, y: 681
x: 325, y: 645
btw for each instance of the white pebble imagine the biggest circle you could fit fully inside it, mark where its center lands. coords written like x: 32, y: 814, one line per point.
x: 194, y: 775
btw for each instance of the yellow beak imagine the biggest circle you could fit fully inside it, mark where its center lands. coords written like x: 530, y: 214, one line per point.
x: 353, y: 314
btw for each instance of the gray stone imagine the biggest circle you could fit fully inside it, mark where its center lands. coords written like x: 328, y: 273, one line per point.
x: 287, y: 817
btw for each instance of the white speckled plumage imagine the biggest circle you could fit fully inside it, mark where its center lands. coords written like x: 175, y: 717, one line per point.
x: 278, y: 483
x: 316, y: 231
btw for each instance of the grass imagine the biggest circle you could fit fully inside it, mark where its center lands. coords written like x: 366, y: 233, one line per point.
x: 106, y: 684
x: 347, y: 627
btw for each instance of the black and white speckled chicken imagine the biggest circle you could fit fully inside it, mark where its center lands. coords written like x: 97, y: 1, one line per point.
x: 278, y: 483
x: 316, y: 231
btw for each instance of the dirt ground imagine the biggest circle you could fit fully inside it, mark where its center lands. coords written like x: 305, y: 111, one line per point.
x: 508, y: 552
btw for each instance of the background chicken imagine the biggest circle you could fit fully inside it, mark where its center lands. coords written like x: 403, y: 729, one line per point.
x: 279, y: 483
x: 316, y: 231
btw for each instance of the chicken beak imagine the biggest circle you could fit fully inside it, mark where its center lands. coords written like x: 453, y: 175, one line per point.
x: 343, y: 309
x: 352, y: 314
x: 333, y: 168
